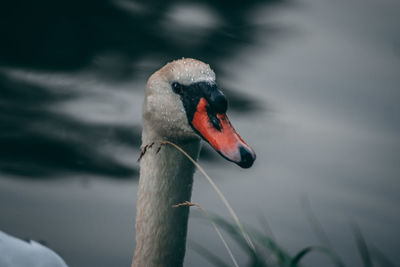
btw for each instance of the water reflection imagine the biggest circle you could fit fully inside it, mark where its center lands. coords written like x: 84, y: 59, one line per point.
x: 38, y: 143
x: 109, y: 40
x: 67, y: 35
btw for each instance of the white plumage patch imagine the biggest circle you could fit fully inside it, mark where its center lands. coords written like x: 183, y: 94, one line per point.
x: 15, y: 252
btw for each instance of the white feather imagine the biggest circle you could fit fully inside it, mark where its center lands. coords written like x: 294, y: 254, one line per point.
x: 15, y: 252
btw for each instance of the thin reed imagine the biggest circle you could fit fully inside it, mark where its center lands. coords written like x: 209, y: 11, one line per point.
x: 267, y: 252
x: 220, y: 194
x: 190, y: 204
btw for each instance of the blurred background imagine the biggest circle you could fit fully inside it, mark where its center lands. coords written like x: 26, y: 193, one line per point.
x: 313, y: 86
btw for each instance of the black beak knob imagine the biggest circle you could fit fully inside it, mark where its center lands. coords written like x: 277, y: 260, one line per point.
x: 215, y: 98
x: 219, y: 103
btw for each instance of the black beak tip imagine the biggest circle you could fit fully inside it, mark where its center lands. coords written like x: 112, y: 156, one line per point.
x: 247, y: 158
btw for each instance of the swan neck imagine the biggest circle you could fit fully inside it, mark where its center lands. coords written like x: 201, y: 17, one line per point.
x: 166, y: 178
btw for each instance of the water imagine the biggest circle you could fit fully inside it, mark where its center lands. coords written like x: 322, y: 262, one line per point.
x: 313, y: 88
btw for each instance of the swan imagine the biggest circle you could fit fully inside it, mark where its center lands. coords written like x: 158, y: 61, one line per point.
x: 15, y: 252
x: 183, y: 105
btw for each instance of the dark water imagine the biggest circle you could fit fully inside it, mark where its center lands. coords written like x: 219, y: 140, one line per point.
x: 313, y: 87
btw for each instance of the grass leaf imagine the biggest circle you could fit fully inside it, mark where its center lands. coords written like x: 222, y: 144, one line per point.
x: 300, y: 255
x: 361, y: 245
x: 212, y: 258
x: 381, y: 258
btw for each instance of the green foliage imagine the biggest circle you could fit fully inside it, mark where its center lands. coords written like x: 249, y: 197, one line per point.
x: 269, y: 253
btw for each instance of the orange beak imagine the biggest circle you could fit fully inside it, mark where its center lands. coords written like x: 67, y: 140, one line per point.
x: 216, y: 129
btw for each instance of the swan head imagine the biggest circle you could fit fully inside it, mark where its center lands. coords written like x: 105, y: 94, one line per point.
x: 183, y: 102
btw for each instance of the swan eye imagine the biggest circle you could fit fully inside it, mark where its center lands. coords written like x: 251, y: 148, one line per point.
x: 177, y: 88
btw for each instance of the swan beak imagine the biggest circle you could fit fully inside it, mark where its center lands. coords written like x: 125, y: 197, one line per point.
x: 216, y: 129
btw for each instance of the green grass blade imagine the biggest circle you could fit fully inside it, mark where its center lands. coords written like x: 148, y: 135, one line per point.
x: 281, y: 255
x: 315, y: 224
x: 212, y: 258
x: 302, y: 253
x: 295, y: 261
x: 256, y: 258
x: 361, y: 245
x: 381, y: 258
x: 267, y: 228
x: 233, y: 230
